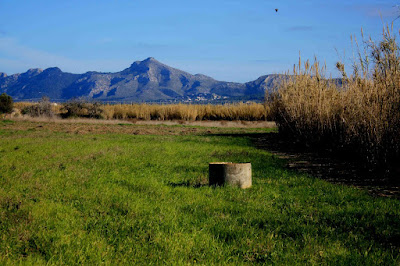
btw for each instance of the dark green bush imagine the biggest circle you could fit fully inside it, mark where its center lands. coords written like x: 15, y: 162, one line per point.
x: 78, y: 108
x: 6, y: 103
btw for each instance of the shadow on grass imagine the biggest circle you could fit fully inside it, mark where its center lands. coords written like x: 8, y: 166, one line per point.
x: 326, y: 165
x: 187, y: 184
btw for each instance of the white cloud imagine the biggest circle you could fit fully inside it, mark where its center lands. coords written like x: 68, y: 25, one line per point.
x: 233, y: 71
x: 376, y: 10
x: 16, y: 58
x: 105, y: 40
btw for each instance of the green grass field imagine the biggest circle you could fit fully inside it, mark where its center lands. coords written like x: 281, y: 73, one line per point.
x: 71, y: 198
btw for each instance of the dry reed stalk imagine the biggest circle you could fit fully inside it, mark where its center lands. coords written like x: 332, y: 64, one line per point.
x: 187, y: 112
x: 361, y: 115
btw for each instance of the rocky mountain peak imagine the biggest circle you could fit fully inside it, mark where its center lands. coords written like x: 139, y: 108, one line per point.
x: 147, y: 65
x: 146, y: 80
x: 52, y: 70
x: 150, y: 59
x: 32, y: 72
x: 35, y: 70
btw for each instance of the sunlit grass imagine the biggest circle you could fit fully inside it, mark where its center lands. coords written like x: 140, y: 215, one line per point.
x: 122, y: 198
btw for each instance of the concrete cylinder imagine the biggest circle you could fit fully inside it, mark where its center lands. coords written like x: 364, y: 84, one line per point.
x: 235, y: 174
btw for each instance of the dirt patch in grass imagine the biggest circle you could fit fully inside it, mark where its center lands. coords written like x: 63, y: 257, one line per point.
x: 92, y: 126
x: 206, y: 123
x: 224, y: 124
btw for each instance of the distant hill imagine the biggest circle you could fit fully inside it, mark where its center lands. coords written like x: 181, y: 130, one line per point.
x: 144, y: 81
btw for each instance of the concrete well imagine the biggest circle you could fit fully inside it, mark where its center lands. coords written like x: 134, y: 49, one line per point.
x: 235, y: 174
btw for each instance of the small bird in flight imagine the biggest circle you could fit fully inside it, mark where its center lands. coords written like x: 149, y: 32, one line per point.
x: 276, y: 10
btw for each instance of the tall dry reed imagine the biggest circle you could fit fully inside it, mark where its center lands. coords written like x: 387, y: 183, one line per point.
x: 187, y: 112
x: 360, y: 114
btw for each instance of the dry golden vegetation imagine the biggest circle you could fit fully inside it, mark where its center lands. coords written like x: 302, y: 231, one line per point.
x: 361, y: 115
x: 186, y: 112
x: 241, y: 111
x: 19, y: 107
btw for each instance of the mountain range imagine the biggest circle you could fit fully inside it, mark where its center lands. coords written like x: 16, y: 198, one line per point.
x: 144, y: 81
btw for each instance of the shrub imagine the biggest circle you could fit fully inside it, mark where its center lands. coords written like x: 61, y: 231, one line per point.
x: 42, y: 108
x: 6, y: 103
x: 79, y: 108
x: 94, y: 110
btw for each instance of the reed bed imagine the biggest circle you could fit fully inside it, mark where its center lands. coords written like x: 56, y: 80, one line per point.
x: 186, y: 112
x: 361, y: 115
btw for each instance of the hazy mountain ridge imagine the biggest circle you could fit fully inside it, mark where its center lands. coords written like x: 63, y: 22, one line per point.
x: 147, y: 80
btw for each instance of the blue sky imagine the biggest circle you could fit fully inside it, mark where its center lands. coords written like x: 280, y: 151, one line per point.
x: 232, y: 40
